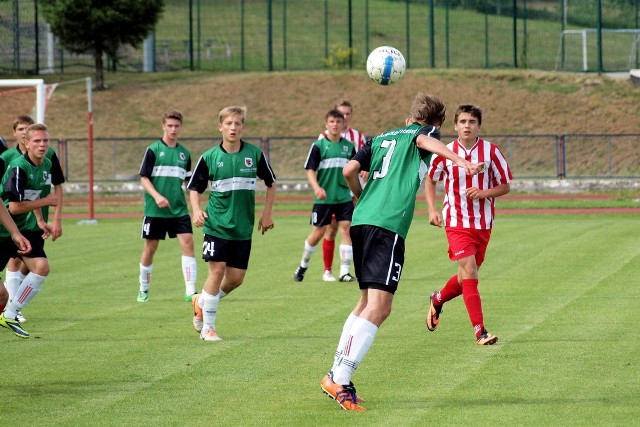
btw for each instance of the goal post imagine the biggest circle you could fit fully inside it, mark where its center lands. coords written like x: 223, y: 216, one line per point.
x: 41, y: 91
x: 579, y: 46
x: 43, y: 94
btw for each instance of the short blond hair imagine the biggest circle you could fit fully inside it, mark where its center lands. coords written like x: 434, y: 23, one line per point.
x: 35, y: 127
x: 234, y: 109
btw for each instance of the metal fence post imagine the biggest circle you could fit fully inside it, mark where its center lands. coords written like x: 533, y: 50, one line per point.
x: 270, y: 33
x: 515, y: 33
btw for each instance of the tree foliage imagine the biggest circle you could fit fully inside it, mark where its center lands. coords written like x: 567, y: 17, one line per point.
x: 101, y: 26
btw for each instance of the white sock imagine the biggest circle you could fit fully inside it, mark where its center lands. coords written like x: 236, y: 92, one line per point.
x: 346, y: 256
x: 28, y: 289
x: 306, y: 254
x: 209, y: 309
x: 190, y: 274
x: 357, y: 345
x: 145, y: 277
x: 222, y: 294
x: 12, y: 283
x: 343, y: 338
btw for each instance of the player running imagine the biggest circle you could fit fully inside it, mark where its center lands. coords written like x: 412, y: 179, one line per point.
x: 469, y: 210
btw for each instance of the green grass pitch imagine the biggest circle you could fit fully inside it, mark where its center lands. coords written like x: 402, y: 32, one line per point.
x: 560, y: 291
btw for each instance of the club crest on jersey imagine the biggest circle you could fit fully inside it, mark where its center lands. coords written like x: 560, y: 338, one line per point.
x: 248, y: 162
x: 182, y: 156
x: 345, y: 149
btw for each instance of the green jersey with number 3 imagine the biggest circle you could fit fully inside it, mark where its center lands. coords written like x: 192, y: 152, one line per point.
x: 396, y: 168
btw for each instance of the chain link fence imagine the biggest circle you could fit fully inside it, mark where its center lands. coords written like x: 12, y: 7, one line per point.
x: 266, y: 35
x: 530, y: 156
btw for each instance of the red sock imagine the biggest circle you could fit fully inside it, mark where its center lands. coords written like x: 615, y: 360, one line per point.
x: 474, y: 304
x: 328, y: 247
x: 451, y: 290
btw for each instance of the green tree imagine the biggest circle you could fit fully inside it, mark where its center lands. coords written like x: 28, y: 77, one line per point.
x: 101, y: 26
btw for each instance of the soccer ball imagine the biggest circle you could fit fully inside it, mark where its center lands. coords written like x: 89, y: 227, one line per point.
x: 385, y: 65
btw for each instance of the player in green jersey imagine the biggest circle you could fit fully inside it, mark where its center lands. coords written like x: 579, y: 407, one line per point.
x: 15, y: 244
x: 327, y: 156
x: 231, y: 170
x: 397, y: 163
x: 16, y: 269
x: 165, y: 167
x: 22, y: 185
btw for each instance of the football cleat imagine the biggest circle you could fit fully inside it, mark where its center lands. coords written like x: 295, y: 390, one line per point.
x: 345, y: 395
x: 209, y: 334
x: 197, y: 313
x: 298, y: 276
x: 487, y: 339
x: 328, y: 276
x: 20, y: 318
x: 348, y: 278
x: 188, y: 298
x: 143, y: 296
x: 433, y: 315
x: 14, y: 325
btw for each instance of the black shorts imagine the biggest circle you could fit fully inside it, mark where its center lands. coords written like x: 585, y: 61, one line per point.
x: 8, y: 250
x: 235, y: 253
x: 378, y: 257
x: 155, y: 228
x: 321, y: 213
x: 37, y: 244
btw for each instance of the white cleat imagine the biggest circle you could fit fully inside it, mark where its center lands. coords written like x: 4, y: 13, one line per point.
x: 209, y: 334
x: 328, y: 276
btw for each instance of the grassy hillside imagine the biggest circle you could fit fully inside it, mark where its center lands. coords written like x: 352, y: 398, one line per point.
x: 294, y: 103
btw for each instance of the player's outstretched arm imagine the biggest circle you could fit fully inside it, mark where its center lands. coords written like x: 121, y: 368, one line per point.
x: 435, y: 146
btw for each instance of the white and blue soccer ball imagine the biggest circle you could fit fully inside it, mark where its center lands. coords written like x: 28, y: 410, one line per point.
x: 385, y: 65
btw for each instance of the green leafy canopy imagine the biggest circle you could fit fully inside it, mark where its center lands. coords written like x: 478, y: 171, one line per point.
x: 101, y: 25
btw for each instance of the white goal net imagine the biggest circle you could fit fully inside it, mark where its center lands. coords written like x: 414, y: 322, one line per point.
x: 578, y: 49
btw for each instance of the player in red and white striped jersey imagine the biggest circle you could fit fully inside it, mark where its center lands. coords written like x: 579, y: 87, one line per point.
x: 467, y: 214
x: 358, y: 140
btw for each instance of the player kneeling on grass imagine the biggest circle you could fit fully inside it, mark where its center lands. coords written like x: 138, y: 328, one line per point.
x: 232, y: 168
x: 22, y: 184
